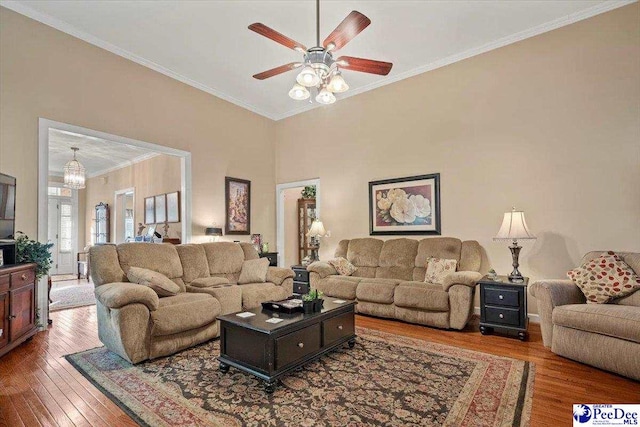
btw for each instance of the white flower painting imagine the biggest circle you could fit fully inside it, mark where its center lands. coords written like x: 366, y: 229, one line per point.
x: 405, y: 205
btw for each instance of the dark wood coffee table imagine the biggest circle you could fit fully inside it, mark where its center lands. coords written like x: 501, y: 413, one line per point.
x: 271, y: 350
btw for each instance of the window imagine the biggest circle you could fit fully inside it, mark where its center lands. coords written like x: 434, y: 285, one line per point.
x: 66, y: 228
x: 60, y: 192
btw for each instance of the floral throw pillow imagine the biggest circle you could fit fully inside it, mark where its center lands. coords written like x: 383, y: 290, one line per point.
x: 605, y: 278
x: 438, y: 269
x: 343, y: 266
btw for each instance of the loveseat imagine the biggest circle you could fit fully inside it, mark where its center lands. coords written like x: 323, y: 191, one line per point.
x: 389, y: 279
x: 137, y: 324
x: 603, y: 335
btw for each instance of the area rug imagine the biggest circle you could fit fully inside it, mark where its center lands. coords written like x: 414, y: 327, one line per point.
x: 70, y: 295
x: 63, y: 277
x: 384, y: 380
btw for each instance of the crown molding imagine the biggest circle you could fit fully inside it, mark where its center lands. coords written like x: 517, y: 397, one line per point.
x: 504, y: 41
x: 131, y: 162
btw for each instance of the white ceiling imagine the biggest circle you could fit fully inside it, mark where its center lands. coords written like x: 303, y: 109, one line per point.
x: 207, y: 44
x: 97, y: 155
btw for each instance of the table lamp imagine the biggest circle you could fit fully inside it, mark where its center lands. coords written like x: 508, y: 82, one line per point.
x: 214, y: 232
x: 315, y: 232
x: 514, y: 227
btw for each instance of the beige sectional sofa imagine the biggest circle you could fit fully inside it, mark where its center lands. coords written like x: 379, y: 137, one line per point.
x: 603, y: 335
x: 138, y: 325
x: 389, y: 280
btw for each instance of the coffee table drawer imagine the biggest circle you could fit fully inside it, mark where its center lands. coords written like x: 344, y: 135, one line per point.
x: 337, y: 327
x: 503, y: 316
x: 296, y: 345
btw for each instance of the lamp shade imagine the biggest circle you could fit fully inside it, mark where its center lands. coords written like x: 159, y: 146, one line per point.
x: 213, y: 231
x: 514, y: 227
x: 317, y: 229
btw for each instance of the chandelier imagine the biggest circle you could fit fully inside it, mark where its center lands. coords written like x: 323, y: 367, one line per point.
x: 74, y: 173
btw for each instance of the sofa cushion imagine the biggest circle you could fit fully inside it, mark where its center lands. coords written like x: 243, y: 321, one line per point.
x: 605, y: 278
x: 365, y: 272
x: 606, y: 319
x: 377, y: 290
x: 183, y: 312
x: 229, y: 296
x: 342, y: 249
x: 105, y: 267
x: 364, y: 252
x: 339, y: 286
x: 424, y: 296
x: 161, y: 284
x: 470, y: 256
x: 438, y: 269
x: 254, y: 294
x: 254, y: 271
x: 400, y: 273
x: 162, y: 258
x: 224, y: 257
x: 343, y: 266
x: 194, y: 262
x: 398, y: 253
x: 209, y: 282
x: 438, y: 247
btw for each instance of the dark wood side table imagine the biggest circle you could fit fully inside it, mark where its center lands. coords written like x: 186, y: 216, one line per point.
x: 503, y: 305
x: 300, y: 279
x: 271, y: 256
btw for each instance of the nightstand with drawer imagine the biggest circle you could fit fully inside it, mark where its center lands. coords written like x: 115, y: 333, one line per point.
x: 503, y: 305
x: 300, y: 279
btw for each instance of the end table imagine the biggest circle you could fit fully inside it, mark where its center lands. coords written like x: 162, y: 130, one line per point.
x: 503, y: 305
x: 300, y: 279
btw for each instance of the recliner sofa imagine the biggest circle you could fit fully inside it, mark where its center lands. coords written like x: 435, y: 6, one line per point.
x: 138, y: 325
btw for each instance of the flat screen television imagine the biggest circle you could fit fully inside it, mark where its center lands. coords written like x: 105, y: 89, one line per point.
x: 7, y: 207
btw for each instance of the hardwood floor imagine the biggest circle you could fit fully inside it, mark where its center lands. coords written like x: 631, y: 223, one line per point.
x: 38, y: 387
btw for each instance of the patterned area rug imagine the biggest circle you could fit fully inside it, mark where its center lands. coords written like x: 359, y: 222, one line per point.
x: 71, y: 295
x: 384, y: 380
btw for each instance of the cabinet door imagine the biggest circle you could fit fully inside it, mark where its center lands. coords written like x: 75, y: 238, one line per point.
x: 23, y: 316
x: 4, y: 317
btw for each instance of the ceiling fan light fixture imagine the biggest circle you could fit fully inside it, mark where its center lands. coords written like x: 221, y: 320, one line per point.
x: 308, y: 77
x: 299, y: 92
x: 337, y: 83
x: 325, y: 97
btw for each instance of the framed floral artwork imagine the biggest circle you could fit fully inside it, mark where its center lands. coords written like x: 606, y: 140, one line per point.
x: 408, y: 205
x: 238, y: 206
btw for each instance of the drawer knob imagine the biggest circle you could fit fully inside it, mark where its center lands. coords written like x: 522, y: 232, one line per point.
x: 500, y: 297
x: 23, y: 277
x: 340, y: 327
x: 501, y: 316
x: 12, y: 317
x: 300, y: 344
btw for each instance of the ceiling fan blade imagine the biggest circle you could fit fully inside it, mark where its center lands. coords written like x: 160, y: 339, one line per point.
x: 272, y: 34
x: 350, y: 27
x: 278, y: 70
x: 364, y: 65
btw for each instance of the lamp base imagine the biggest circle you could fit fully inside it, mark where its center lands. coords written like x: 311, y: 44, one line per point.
x: 515, y: 276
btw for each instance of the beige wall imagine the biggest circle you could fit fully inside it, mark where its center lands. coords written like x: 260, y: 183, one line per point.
x: 157, y: 175
x: 291, y: 196
x: 550, y: 124
x: 49, y: 74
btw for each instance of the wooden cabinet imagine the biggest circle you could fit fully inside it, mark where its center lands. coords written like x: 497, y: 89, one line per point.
x: 300, y: 279
x: 103, y: 224
x: 306, y: 215
x: 18, y: 299
x: 503, y: 305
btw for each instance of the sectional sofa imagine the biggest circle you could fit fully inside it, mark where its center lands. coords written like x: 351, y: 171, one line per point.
x: 389, y: 279
x: 138, y: 325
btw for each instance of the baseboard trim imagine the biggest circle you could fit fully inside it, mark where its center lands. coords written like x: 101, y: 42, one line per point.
x: 533, y: 318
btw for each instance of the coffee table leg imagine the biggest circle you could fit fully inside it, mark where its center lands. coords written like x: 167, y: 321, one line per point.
x: 270, y: 386
x: 224, y: 368
x: 352, y: 342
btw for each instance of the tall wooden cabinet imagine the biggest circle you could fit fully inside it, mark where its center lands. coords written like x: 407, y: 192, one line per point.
x: 18, y: 299
x: 306, y: 215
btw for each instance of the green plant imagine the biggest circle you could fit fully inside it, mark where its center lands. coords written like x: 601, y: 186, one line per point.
x: 309, y: 192
x: 28, y: 250
x: 308, y: 297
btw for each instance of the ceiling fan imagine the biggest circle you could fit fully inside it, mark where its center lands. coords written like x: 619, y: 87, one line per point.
x: 319, y: 68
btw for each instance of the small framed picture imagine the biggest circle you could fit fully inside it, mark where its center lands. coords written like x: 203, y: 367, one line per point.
x: 173, y: 207
x: 161, y: 208
x: 149, y: 210
x: 256, y: 241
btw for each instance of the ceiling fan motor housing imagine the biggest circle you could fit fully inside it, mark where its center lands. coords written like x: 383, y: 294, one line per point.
x: 320, y: 60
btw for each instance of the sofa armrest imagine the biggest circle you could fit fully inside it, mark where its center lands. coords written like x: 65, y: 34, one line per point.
x: 549, y: 295
x: 277, y: 275
x: 323, y: 269
x: 119, y: 294
x: 467, y: 278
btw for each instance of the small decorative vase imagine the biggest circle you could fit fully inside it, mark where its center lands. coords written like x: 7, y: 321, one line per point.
x: 308, y: 307
x: 317, y: 305
x: 265, y: 248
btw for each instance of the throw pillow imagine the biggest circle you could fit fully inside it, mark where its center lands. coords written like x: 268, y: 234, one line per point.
x: 161, y: 284
x: 254, y: 271
x: 438, y: 269
x: 343, y: 266
x: 605, y: 278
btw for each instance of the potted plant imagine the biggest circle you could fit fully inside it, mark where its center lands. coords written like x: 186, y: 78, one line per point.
x: 28, y: 250
x: 318, y: 301
x: 308, y: 303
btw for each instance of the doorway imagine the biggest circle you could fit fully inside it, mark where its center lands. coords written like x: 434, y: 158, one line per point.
x: 62, y: 228
x: 124, y: 215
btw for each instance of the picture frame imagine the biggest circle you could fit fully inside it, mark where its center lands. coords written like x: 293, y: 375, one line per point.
x: 237, y: 195
x: 149, y: 210
x: 161, y: 208
x: 173, y: 207
x: 256, y: 241
x: 405, y: 206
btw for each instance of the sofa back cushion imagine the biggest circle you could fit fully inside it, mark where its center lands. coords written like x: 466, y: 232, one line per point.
x: 224, y: 258
x: 470, y: 256
x: 162, y: 258
x: 632, y: 259
x: 249, y: 251
x: 105, y: 267
x: 194, y: 262
x: 364, y: 252
x: 397, y: 259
